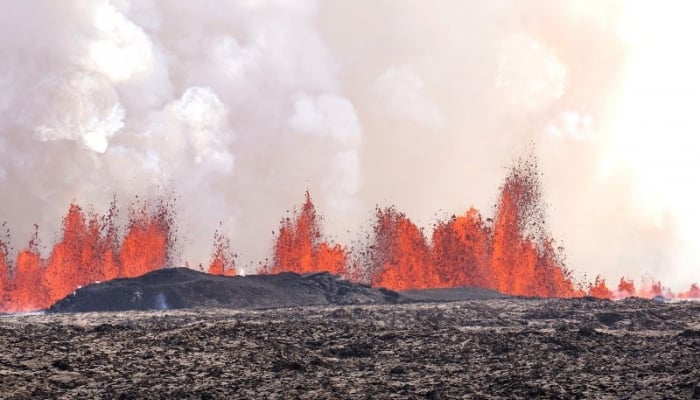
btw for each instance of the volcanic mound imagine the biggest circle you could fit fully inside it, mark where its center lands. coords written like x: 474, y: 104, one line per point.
x: 183, y: 288
x: 180, y: 288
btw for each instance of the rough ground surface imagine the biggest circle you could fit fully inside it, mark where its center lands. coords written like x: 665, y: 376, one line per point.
x: 499, y: 348
x: 451, y: 294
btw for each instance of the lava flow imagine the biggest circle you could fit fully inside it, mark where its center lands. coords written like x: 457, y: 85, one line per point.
x: 511, y: 252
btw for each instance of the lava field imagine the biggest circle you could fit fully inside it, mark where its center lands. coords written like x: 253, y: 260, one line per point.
x: 482, y: 349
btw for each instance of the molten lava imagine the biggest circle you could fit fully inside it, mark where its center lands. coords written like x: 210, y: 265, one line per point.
x: 299, y: 246
x: 223, y: 260
x: 512, y: 253
x: 523, y: 260
x: 400, y: 257
x: 89, y: 250
x: 692, y: 293
x: 505, y: 255
x: 460, y: 251
x: 599, y: 289
x: 626, y: 288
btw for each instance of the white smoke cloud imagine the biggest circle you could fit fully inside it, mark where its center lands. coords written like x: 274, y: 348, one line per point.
x: 239, y: 107
x: 573, y: 125
x: 398, y: 93
x: 81, y: 107
x: 121, y: 48
x: 200, y: 120
x: 531, y: 74
x: 326, y: 115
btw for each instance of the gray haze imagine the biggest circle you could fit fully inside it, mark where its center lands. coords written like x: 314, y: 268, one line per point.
x: 240, y: 106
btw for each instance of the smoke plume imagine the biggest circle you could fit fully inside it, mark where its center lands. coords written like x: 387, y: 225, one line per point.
x: 238, y: 107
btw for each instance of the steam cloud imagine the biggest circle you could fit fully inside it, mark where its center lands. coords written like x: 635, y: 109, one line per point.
x: 239, y: 106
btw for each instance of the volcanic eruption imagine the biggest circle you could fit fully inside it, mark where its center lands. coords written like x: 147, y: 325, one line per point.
x: 347, y: 199
x: 239, y: 112
x: 512, y: 252
x: 90, y: 249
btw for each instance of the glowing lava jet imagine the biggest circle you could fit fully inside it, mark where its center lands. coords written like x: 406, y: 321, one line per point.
x: 223, y: 259
x: 299, y: 246
x: 512, y: 252
x: 90, y: 250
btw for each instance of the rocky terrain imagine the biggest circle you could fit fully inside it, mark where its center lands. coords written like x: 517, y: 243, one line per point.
x: 499, y: 348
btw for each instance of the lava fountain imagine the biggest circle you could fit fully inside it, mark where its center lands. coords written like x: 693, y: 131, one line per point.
x: 512, y: 252
x: 90, y: 249
x: 300, y: 248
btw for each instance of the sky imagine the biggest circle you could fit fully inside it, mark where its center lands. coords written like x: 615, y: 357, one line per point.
x: 238, y: 107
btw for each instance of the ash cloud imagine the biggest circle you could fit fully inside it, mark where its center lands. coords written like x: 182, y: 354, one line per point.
x: 239, y: 106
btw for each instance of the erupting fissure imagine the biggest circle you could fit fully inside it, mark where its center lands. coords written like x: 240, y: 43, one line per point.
x: 91, y: 249
x: 512, y: 252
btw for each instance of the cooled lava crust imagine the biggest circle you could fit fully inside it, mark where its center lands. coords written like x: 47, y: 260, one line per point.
x: 486, y: 349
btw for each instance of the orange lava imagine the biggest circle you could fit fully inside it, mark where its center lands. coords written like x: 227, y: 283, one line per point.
x: 89, y: 250
x: 300, y: 248
x: 223, y: 260
x: 626, y: 288
x: 460, y: 251
x: 511, y: 252
x: 651, y: 290
x: 399, y: 256
x: 692, y: 293
x: 599, y: 289
x: 465, y: 251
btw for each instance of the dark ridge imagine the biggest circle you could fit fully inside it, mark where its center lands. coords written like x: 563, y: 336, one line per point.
x: 183, y: 288
x: 180, y: 288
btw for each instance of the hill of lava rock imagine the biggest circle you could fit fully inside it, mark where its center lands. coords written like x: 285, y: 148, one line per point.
x: 183, y: 288
x: 179, y: 288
